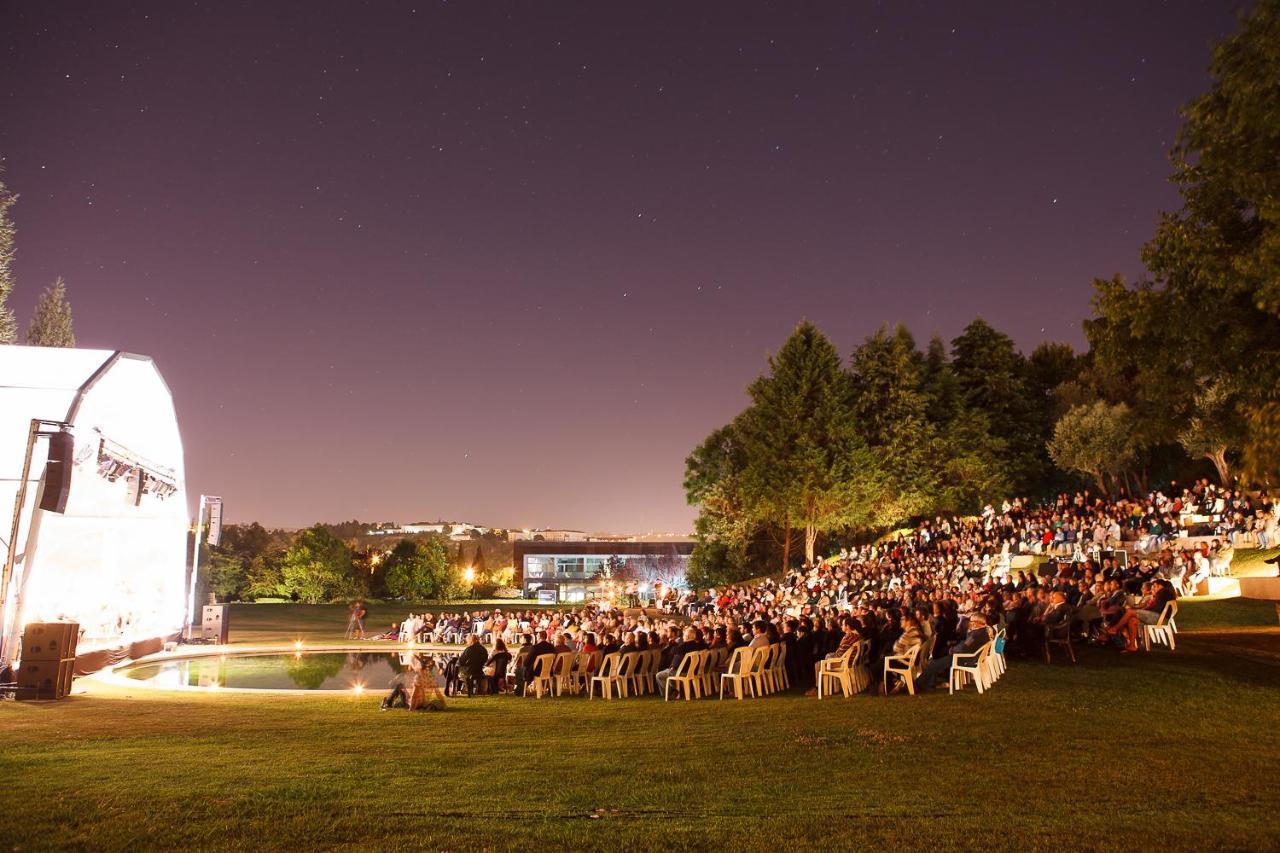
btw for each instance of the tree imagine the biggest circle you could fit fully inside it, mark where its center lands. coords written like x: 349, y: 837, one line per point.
x: 993, y: 380
x: 8, y: 322
x: 1226, y: 238
x: 1209, y: 315
x: 317, y: 567
x: 805, y: 458
x: 1261, y: 457
x: 891, y: 412
x: 1095, y: 440
x: 935, y: 451
x: 726, y: 522
x: 419, y: 570
x: 51, y: 323
x: 247, y: 540
x: 264, y: 579
x: 1216, y: 427
x: 228, y: 574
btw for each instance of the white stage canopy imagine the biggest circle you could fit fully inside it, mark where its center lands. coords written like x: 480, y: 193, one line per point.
x: 115, y: 560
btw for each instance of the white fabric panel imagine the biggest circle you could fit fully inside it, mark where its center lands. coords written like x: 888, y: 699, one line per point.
x: 116, y: 567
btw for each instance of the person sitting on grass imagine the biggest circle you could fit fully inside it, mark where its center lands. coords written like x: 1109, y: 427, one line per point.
x: 391, y: 633
x: 416, y: 687
x: 471, y: 663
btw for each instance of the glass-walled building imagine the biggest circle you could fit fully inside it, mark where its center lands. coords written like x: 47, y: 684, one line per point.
x: 577, y: 571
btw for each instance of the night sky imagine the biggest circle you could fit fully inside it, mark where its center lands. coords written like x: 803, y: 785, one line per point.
x: 509, y: 263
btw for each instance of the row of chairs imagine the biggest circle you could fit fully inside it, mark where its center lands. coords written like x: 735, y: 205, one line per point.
x: 558, y: 674
x: 756, y: 672
x: 1161, y: 633
x: 750, y: 672
x: 983, y: 667
x: 850, y: 673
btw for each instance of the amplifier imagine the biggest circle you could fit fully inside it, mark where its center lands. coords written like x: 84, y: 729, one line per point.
x: 49, y: 641
x: 50, y: 679
x: 215, y: 622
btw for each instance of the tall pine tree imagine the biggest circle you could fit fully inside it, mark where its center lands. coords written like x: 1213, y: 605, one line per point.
x: 51, y: 323
x: 804, y: 454
x: 8, y: 323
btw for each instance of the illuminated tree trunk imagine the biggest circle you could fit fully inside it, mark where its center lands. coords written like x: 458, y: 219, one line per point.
x: 786, y: 547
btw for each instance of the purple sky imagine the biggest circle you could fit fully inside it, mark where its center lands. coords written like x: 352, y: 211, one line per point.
x: 509, y: 262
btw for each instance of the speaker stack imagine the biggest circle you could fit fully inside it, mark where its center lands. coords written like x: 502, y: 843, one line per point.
x: 57, y: 472
x: 48, y: 659
x: 215, y: 623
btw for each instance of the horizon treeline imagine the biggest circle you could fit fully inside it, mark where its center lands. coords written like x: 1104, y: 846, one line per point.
x: 1180, y: 379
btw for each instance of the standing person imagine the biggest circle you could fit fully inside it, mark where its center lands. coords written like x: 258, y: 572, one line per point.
x: 355, y: 621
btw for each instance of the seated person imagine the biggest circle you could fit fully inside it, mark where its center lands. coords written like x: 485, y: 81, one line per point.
x: 1146, y: 613
x: 523, y: 658
x: 847, y: 641
x: 977, y: 637
x: 471, y: 663
x: 537, y: 650
x: 391, y: 633
x: 495, y: 668
x: 690, y: 643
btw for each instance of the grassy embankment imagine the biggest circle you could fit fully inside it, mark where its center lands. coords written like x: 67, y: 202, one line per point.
x: 1114, y: 751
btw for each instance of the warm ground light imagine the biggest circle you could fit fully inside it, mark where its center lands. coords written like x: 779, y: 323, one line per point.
x: 1175, y: 748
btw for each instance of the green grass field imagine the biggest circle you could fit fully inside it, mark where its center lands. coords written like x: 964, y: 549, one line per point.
x: 1175, y: 749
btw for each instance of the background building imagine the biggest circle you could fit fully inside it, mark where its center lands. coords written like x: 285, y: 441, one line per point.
x: 581, y: 570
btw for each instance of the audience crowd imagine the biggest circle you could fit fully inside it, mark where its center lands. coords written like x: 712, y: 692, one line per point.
x: 947, y: 584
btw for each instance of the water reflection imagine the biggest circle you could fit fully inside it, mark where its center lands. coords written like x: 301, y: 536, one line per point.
x: 298, y: 671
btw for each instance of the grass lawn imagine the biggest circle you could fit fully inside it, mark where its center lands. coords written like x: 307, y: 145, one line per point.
x: 1251, y: 563
x: 1176, y: 749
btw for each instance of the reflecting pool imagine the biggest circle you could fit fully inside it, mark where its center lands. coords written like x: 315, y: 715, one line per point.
x: 288, y: 671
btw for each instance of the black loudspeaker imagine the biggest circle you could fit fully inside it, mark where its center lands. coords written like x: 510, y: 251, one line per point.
x: 216, y: 623
x: 57, y: 472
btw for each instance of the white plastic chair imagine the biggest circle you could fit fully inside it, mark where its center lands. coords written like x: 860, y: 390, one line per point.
x: 973, y: 665
x: 1164, y: 629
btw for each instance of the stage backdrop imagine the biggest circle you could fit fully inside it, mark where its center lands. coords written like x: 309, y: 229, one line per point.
x: 115, y: 560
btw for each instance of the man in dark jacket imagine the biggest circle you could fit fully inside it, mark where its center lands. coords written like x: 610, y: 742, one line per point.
x: 542, y: 647
x: 522, y: 662
x: 471, y: 662
x: 690, y: 643
x: 803, y: 652
x: 977, y: 637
